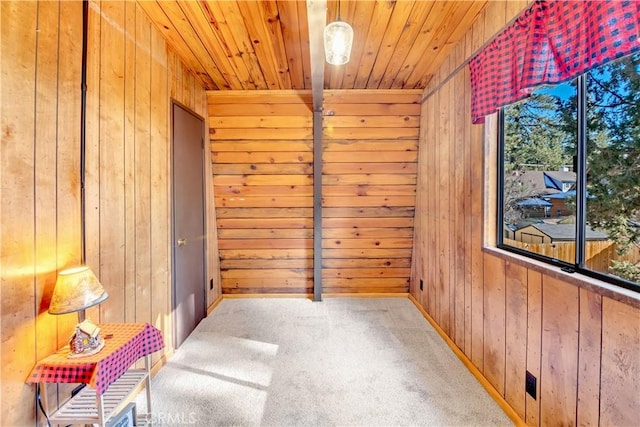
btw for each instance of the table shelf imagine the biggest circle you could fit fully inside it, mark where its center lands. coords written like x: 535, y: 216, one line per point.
x: 83, y: 407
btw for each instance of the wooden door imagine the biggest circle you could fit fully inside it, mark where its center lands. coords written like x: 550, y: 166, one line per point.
x: 189, y: 287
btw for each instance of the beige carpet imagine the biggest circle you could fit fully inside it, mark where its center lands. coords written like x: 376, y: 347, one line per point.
x: 340, y: 362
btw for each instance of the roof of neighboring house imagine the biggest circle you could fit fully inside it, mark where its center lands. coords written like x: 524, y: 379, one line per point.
x: 568, y: 232
x: 533, y: 201
x: 546, y: 182
x: 562, y: 195
x: 561, y: 176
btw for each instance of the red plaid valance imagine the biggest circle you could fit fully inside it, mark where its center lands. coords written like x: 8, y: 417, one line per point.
x: 551, y: 42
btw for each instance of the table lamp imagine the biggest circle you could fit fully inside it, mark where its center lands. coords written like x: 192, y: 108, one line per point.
x: 76, y: 290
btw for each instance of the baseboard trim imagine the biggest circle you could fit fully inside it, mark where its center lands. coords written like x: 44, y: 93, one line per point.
x: 511, y: 413
x: 214, y: 305
x: 366, y: 295
x: 237, y: 296
x: 324, y: 295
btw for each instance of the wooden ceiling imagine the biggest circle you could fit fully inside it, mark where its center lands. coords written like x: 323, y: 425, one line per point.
x: 246, y: 45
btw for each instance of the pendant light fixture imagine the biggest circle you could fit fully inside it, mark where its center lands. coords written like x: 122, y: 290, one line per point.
x: 338, y: 39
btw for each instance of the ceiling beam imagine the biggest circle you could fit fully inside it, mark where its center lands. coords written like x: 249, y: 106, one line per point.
x: 317, y: 18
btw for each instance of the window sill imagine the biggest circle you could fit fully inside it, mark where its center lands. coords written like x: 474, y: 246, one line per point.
x: 600, y: 287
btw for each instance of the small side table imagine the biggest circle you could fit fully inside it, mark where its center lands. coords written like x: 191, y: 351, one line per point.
x: 108, y: 373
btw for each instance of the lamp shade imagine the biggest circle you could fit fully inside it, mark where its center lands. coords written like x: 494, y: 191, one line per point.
x: 338, y: 39
x: 76, y: 289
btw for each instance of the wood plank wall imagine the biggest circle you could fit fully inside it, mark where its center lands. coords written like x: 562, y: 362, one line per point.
x: 40, y: 195
x: 262, y: 159
x: 369, y: 168
x: 506, y: 314
x: 131, y: 77
x: 262, y: 145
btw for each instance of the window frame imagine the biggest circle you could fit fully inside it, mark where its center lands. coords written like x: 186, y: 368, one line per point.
x: 580, y: 165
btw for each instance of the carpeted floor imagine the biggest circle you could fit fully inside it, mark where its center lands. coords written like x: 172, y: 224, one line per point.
x: 340, y: 362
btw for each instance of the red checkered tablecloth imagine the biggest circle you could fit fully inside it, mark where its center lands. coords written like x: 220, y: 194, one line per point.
x: 125, y: 343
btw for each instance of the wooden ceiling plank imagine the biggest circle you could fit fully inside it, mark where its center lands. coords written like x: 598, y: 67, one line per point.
x: 274, y: 28
x: 361, y: 21
x: 237, y: 78
x: 421, y: 46
x: 397, y: 25
x: 382, y: 13
x: 288, y: 11
x: 175, y: 40
x: 218, y: 25
x: 231, y: 20
x: 334, y: 75
x: 188, y: 34
x: 255, y: 18
x: 303, y: 33
x: 448, y: 35
x: 410, y: 32
x: 258, y: 45
x: 457, y: 53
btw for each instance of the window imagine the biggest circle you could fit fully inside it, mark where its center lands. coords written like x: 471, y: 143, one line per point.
x: 570, y: 173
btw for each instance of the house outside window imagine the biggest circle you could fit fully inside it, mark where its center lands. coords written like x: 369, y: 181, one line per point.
x: 570, y: 174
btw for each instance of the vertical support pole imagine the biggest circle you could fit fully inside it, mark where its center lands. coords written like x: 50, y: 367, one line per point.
x: 317, y: 18
x: 317, y: 205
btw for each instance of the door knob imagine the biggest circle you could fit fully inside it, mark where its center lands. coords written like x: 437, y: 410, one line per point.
x: 182, y: 242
